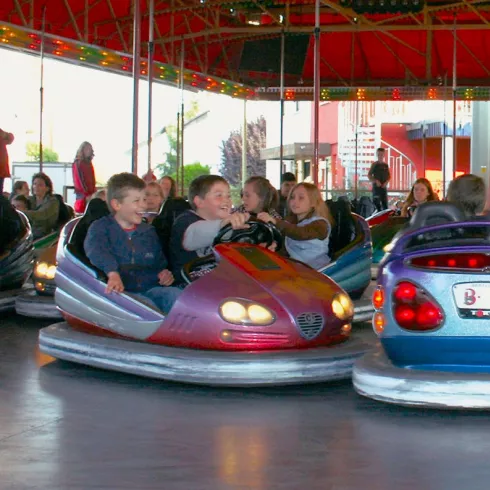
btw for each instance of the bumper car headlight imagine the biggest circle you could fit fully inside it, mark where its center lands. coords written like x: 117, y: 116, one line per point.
x: 233, y: 312
x: 342, y: 306
x: 41, y: 269
x: 388, y: 248
x: 242, y: 312
x: 44, y: 270
x: 51, y: 272
x: 259, y: 315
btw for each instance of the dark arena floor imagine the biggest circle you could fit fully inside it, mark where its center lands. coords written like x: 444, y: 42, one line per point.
x: 68, y: 427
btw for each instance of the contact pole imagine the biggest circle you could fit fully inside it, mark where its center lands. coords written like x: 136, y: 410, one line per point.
x: 444, y: 143
x: 455, y: 87
x: 150, y: 78
x: 281, y: 123
x: 41, y: 91
x: 356, y: 176
x: 136, y: 80
x: 177, y: 151
x: 316, y: 93
x: 244, y: 144
x: 182, y: 122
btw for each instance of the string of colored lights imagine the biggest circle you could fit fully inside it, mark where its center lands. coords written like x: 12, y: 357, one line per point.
x: 17, y: 37
x: 88, y: 55
x: 377, y: 93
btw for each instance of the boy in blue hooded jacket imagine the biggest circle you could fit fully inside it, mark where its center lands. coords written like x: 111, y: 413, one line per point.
x: 127, y: 250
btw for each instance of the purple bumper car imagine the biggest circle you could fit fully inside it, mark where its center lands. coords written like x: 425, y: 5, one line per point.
x: 248, y: 317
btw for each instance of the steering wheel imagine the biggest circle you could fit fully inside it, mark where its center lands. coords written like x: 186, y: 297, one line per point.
x: 411, y: 210
x: 257, y: 233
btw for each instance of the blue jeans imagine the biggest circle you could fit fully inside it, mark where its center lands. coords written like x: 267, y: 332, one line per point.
x: 162, y: 297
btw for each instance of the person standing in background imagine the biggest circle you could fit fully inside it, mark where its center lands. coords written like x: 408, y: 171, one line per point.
x: 5, y: 139
x: 288, y: 181
x: 83, y: 176
x: 379, y: 175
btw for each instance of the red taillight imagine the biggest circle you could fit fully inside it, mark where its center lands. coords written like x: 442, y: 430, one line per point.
x: 405, y: 291
x: 414, y: 309
x: 463, y: 261
x: 378, y: 298
x: 404, y: 315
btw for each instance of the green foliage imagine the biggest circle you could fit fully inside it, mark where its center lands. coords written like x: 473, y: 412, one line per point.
x: 169, y: 164
x: 192, y: 171
x: 32, y: 153
x: 231, y: 152
x: 236, y: 195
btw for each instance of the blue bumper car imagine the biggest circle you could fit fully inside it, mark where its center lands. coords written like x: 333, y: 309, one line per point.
x: 432, y: 315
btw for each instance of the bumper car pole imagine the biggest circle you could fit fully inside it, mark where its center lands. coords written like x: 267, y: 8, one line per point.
x: 281, y: 121
x: 316, y: 92
x: 136, y: 80
x: 150, y: 78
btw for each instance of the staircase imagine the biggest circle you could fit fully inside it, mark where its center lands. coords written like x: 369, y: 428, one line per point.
x: 363, y: 148
x: 402, y: 169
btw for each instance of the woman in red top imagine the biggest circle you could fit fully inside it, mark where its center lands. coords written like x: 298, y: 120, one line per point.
x: 83, y: 176
x: 5, y: 139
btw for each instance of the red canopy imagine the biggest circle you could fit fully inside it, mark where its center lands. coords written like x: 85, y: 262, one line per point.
x: 389, y: 56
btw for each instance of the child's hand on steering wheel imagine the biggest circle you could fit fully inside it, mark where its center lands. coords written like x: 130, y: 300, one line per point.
x: 238, y: 221
x: 266, y: 218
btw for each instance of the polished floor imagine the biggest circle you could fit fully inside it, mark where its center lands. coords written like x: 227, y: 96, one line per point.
x: 67, y: 427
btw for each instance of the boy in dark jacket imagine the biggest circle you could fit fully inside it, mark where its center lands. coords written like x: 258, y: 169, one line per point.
x: 126, y: 249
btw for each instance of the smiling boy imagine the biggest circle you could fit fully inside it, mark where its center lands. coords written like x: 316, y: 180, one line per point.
x: 193, y: 231
x: 126, y: 249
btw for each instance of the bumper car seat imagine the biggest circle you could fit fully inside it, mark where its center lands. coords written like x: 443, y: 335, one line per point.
x: 96, y: 209
x: 344, y: 230
x: 164, y: 221
x: 365, y: 207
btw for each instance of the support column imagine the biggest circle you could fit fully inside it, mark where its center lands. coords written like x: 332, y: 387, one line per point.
x: 281, y: 123
x: 150, y: 80
x: 448, y: 169
x: 244, y: 144
x: 41, y: 93
x: 480, y: 142
x: 316, y: 95
x: 136, y: 81
x: 182, y: 117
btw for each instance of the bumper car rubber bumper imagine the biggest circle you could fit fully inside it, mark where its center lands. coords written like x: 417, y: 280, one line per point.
x: 200, y: 366
x: 34, y: 305
x: 376, y: 377
x: 8, y: 298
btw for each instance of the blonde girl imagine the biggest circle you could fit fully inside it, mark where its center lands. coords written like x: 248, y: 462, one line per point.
x: 307, y: 227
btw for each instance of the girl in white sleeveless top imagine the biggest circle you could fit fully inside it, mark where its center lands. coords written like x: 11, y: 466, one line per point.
x: 307, y: 228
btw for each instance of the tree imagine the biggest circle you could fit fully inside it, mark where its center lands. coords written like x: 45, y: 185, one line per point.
x: 32, y: 153
x: 192, y: 171
x: 169, y: 165
x: 231, y: 152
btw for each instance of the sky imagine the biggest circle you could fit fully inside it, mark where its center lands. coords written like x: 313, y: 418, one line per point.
x: 84, y: 104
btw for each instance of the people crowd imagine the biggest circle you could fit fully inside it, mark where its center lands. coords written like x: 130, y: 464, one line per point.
x: 126, y: 237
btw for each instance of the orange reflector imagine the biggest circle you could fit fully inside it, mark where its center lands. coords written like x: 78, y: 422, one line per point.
x: 345, y: 330
x: 379, y: 321
x: 378, y: 298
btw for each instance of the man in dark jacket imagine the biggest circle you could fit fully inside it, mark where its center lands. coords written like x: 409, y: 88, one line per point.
x: 126, y: 249
x: 288, y: 181
x: 379, y: 175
